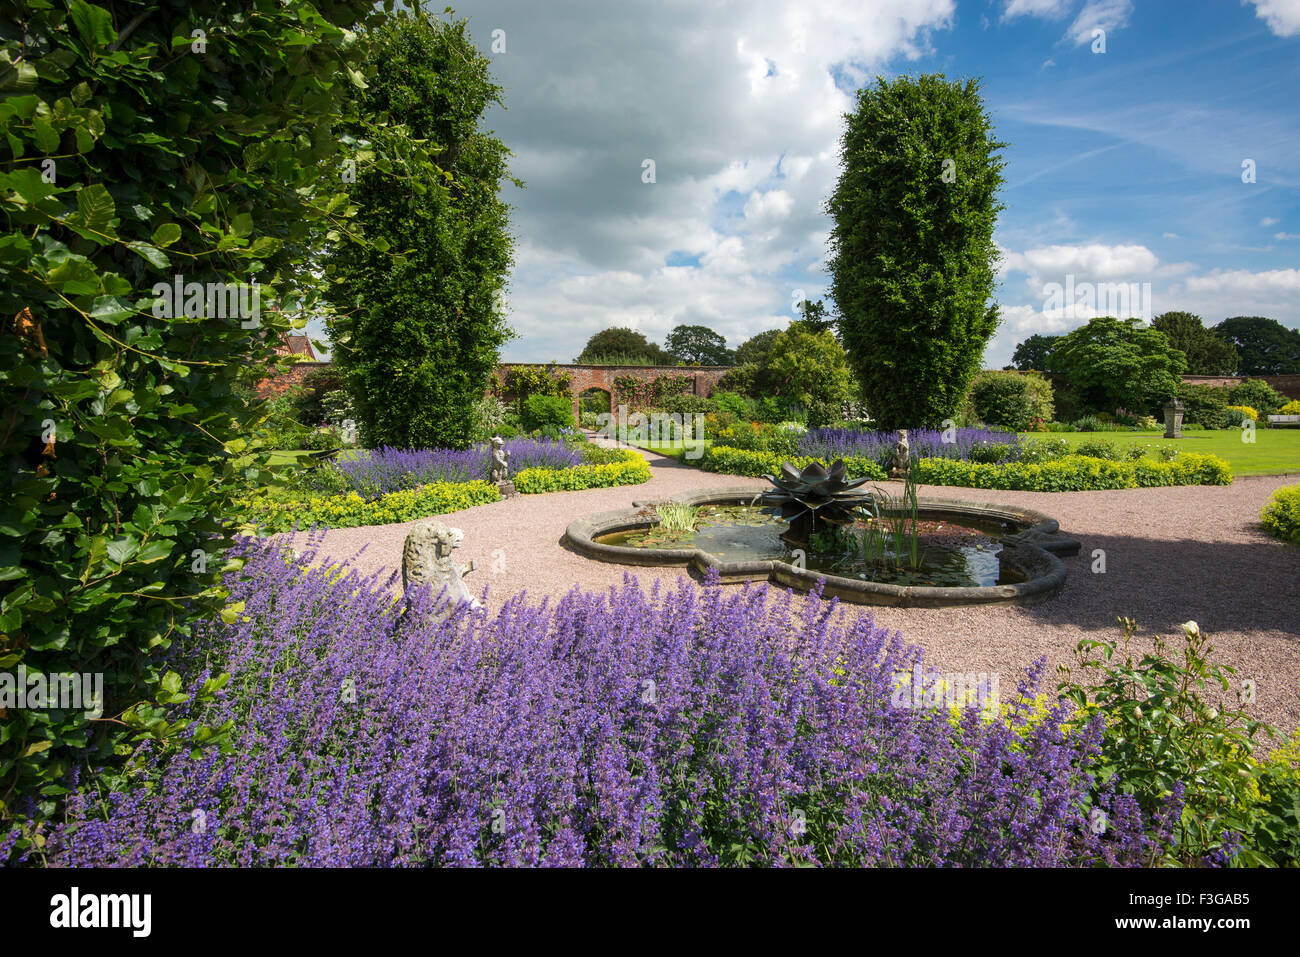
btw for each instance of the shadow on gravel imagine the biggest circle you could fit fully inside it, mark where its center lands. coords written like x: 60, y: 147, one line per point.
x: 1242, y: 586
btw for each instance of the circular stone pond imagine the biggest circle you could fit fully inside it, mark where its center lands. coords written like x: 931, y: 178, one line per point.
x: 967, y: 553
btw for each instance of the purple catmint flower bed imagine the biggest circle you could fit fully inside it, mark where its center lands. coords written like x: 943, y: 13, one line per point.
x: 831, y: 444
x: 690, y: 726
x: 379, y: 471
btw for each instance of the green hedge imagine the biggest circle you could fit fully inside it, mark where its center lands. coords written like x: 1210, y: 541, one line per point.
x: 1072, y: 473
x: 753, y: 463
x: 633, y: 470
x: 1075, y: 473
x: 280, y: 511
x: 1281, y: 516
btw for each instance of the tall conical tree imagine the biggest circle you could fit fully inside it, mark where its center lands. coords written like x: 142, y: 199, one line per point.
x: 419, y: 290
x: 912, y: 254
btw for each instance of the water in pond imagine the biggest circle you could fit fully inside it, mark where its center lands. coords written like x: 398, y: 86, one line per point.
x: 953, y: 550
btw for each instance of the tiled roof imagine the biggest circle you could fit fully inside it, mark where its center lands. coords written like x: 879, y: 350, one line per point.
x: 296, y: 346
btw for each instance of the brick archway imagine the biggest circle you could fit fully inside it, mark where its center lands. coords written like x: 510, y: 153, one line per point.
x: 705, y: 378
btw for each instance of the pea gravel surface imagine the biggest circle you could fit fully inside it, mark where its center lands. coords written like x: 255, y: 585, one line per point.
x: 1161, y: 556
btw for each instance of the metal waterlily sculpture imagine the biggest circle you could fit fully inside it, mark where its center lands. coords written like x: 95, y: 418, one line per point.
x: 814, y: 497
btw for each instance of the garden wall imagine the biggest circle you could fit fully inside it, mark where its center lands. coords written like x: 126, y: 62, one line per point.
x: 1288, y: 385
x: 603, y: 377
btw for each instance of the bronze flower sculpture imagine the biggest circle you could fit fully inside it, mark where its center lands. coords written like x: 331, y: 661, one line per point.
x: 814, y: 497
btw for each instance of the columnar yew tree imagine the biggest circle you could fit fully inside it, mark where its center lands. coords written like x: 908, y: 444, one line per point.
x: 418, y: 334
x: 146, y: 144
x: 912, y: 254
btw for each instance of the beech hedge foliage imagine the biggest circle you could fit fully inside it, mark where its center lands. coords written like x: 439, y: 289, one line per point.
x: 912, y: 259
x: 148, y: 145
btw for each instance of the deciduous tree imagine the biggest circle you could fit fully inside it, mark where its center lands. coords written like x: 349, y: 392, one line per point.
x: 1266, y: 347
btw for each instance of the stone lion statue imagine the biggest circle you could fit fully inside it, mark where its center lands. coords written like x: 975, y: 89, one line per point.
x: 427, y: 560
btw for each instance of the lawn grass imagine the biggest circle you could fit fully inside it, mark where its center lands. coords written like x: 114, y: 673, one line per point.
x: 1274, y: 451
x: 674, y: 449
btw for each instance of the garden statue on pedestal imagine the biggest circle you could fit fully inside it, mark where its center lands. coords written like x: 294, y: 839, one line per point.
x: 501, y: 467
x: 427, y: 560
x: 902, y: 456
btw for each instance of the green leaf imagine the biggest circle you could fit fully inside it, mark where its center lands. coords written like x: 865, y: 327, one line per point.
x: 156, y: 551
x: 111, y: 309
x: 95, y: 24
x: 121, y: 550
x: 95, y: 209
x: 75, y: 276
x: 152, y: 253
x: 47, y: 140
x: 18, y: 77
x: 166, y: 234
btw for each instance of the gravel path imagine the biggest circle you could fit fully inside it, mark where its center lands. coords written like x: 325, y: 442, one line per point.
x: 1171, y: 554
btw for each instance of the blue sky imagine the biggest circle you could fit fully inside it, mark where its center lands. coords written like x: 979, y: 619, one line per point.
x: 1123, y: 166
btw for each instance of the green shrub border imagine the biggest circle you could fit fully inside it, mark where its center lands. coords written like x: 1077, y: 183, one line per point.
x: 1071, y: 473
x: 1076, y: 473
x: 633, y: 470
x: 1281, y: 516
x: 281, y: 513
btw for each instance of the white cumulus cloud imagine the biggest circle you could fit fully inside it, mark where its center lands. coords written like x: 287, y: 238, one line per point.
x: 1282, y: 16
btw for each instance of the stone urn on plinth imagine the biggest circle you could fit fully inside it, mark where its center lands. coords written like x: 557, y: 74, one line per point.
x: 1174, y: 418
x: 501, y: 468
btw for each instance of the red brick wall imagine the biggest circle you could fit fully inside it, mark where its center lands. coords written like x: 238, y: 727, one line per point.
x: 1288, y: 385
x: 602, y: 377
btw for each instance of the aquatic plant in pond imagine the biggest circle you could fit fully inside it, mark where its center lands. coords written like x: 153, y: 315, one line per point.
x: 683, y: 727
x: 899, y: 516
x: 676, y: 517
x: 813, y: 498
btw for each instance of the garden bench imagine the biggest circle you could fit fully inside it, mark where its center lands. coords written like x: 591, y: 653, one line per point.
x: 1284, y: 420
